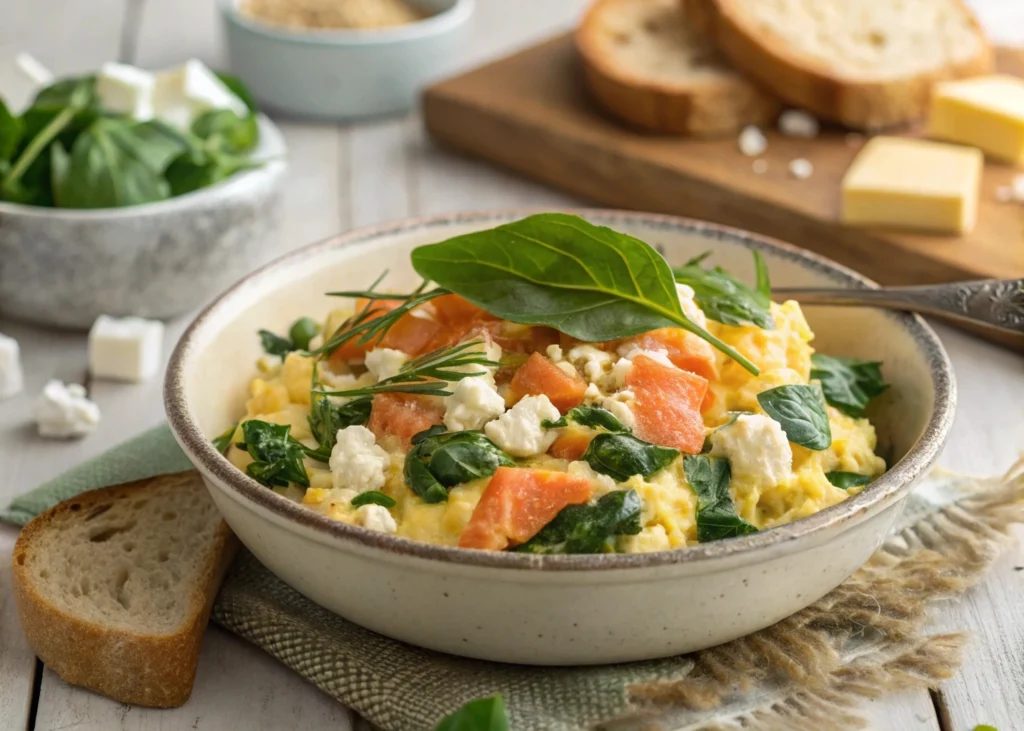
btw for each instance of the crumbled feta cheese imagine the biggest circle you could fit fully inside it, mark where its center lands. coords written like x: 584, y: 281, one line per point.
x: 690, y: 308
x: 519, y: 432
x: 620, y: 371
x: 752, y: 141
x: 385, y: 363
x: 126, y: 90
x: 621, y: 407
x: 489, y: 350
x: 631, y: 351
x: 474, y: 402
x: 11, y: 378
x: 357, y: 462
x: 376, y: 517
x: 757, y: 450
x: 592, y: 394
x: 796, y: 123
x: 554, y: 352
x: 590, y: 361
x: 181, y: 94
x: 65, y: 411
x: 602, y: 484
x: 760, y: 167
x: 125, y: 349
x: 567, y: 368
x: 801, y: 168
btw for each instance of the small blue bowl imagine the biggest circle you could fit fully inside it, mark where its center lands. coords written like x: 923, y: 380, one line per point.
x: 345, y: 74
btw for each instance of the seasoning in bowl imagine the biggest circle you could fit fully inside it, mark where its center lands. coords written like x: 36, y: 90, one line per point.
x: 332, y: 14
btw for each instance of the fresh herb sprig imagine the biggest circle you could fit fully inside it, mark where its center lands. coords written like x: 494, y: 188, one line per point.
x: 326, y: 417
x: 277, y: 456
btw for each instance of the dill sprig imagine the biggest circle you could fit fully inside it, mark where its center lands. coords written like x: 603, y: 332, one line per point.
x: 428, y: 374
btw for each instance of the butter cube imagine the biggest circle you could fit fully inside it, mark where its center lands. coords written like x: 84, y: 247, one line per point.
x: 986, y: 112
x: 126, y: 349
x: 907, y: 183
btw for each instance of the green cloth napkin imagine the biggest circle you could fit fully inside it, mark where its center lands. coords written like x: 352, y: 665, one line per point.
x: 823, y: 661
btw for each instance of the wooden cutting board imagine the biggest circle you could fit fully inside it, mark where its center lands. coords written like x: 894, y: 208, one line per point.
x: 530, y: 112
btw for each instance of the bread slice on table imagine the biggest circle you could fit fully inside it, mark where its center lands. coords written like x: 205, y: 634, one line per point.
x: 644, y: 64
x: 115, y: 586
x: 864, y: 63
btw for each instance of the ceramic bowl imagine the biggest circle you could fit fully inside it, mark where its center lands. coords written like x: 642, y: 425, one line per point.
x: 65, y: 267
x: 554, y: 610
x: 345, y: 74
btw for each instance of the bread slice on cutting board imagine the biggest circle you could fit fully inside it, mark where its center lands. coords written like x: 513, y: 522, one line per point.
x: 115, y: 586
x: 864, y: 63
x: 644, y: 64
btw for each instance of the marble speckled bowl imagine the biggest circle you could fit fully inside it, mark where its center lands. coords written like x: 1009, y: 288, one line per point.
x: 66, y: 267
x: 554, y: 610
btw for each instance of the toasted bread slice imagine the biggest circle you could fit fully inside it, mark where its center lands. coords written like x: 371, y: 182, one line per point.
x: 646, y: 66
x: 867, y: 65
x: 114, y: 587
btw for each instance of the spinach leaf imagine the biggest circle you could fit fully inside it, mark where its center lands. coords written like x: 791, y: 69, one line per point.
x: 64, y: 92
x: 438, y: 461
x: 558, y: 270
x: 327, y: 417
x: 275, y: 344
x: 223, y: 441
x: 846, y: 480
x: 848, y: 383
x: 373, y: 497
x: 620, y: 456
x: 589, y: 528
x: 589, y: 416
x: 224, y: 131
x: 724, y: 298
x: 197, y: 169
x: 716, y: 514
x: 277, y: 456
x: 483, y: 714
x: 11, y: 130
x: 801, y: 411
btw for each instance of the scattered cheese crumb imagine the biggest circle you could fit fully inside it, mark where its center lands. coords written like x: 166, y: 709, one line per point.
x: 592, y: 394
x: 376, y: 517
x: 473, y: 403
x: 757, y: 449
x: 357, y: 462
x: 797, y: 123
x: 590, y: 361
x: 567, y: 368
x: 621, y: 407
x: 801, y: 168
x: 65, y: 411
x: 11, y: 377
x: 752, y: 141
x: 385, y: 363
x: 554, y: 352
x: 760, y: 166
x: 686, y: 297
x: 519, y: 430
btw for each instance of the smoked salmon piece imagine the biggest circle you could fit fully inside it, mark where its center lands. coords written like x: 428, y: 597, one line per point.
x: 540, y: 376
x: 453, y: 309
x: 685, y: 350
x: 400, y: 416
x: 668, y: 402
x: 517, y: 503
x: 571, y: 445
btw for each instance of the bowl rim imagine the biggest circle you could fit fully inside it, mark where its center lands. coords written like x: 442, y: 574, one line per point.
x: 272, y: 151
x: 441, y: 22
x: 890, y: 486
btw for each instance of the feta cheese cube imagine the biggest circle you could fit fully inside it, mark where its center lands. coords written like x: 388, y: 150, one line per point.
x: 21, y: 78
x: 519, y: 430
x: 474, y: 402
x: 385, y: 363
x: 125, y: 349
x: 621, y: 407
x: 376, y: 517
x: 11, y: 379
x: 752, y: 141
x: 357, y: 462
x: 126, y: 90
x: 65, y: 411
x: 590, y: 361
x: 181, y: 94
x: 757, y: 449
x: 554, y: 352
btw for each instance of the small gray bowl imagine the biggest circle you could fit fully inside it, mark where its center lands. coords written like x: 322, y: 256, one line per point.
x: 65, y: 267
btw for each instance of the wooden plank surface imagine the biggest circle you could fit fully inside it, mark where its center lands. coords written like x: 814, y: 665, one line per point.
x: 530, y: 113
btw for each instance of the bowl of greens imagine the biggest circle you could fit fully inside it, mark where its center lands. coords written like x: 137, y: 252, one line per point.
x: 133, y: 193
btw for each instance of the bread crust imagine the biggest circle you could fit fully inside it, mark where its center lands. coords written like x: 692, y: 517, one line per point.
x: 868, y: 105
x: 706, y: 109
x: 146, y: 670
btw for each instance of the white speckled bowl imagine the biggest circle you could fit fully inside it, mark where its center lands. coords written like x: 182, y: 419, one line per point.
x: 554, y: 610
x: 65, y: 267
x: 345, y: 74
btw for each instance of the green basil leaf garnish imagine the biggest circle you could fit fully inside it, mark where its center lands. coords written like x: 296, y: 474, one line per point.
x: 277, y: 456
x: 592, y: 417
x: 326, y: 418
x: 846, y: 480
x: 848, y: 383
x: 801, y: 411
x: 373, y: 497
x: 620, y: 456
x: 558, y: 270
x: 483, y: 714
x: 589, y: 528
x: 275, y: 344
x: 716, y: 513
x: 223, y: 441
x: 724, y: 298
x: 439, y: 461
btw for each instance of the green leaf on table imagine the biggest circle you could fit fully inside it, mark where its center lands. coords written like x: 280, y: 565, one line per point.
x: 724, y: 298
x: 439, y: 461
x: 327, y: 417
x: 224, y: 131
x: 558, y: 270
x: 620, y: 456
x: 11, y: 130
x: 483, y: 714
x: 846, y: 480
x: 592, y: 417
x: 716, y: 513
x: 589, y: 528
x: 277, y: 456
x: 800, y: 409
x: 373, y: 497
x: 849, y: 384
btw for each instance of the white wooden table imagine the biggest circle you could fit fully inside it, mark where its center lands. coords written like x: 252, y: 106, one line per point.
x: 346, y: 176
